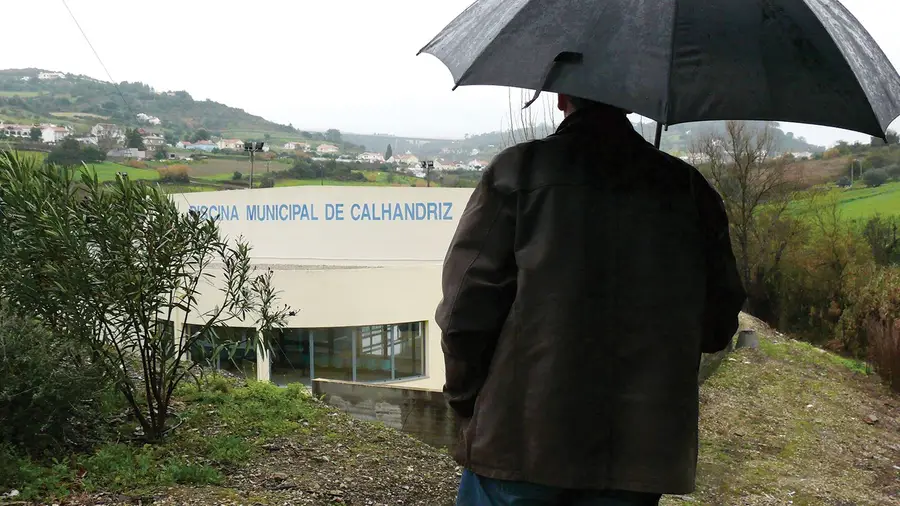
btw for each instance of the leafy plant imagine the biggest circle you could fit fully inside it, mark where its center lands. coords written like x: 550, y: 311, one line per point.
x: 51, y: 391
x: 237, y: 176
x: 875, y: 177
x: 120, y: 270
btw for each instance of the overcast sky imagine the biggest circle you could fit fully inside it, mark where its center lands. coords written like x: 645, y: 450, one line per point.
x: 346, y: 64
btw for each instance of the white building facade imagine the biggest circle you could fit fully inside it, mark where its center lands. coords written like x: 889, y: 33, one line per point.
x: 361, y: 267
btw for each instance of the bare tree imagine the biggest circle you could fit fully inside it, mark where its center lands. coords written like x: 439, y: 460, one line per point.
x: 742, y: 165
x: 536, y: 122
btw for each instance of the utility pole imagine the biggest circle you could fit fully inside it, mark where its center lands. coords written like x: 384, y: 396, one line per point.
x: 428, y: 166
x: 252, y: 148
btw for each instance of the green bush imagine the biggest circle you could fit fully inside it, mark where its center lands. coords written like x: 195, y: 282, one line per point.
x: 875, y: 177
x: 267, y: 181
x: 237, y: 176
x: 51, y: 394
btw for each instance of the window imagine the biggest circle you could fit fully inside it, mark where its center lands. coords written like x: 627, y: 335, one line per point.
x: 370, y: 353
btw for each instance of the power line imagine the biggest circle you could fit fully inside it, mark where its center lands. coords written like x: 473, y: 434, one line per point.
x: 86, y: 39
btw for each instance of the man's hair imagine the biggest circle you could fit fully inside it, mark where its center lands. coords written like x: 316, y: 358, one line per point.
x: 582, y: 103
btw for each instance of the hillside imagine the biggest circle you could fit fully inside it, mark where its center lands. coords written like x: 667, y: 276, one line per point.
x: 785, y: 424
x: 83, y: 101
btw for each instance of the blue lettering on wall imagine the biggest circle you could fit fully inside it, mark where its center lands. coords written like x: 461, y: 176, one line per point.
x: 359, y: 211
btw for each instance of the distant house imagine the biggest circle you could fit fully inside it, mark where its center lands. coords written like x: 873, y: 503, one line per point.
x: 127, y: 153
x: 153, y: 141
x: 477, y: 165
x: 202, y: 146
x: 183, y: 144
x: 409, y: 160
x: 236, y: 144
x: 296, y: 145
x: 88, y: 140
x: 51, y: 75
x: 52, y: 134
x: 324, y: 149
x: 14, y: 130
x: 108, y: 130
x: 371, y: 158
x: 146, y: 118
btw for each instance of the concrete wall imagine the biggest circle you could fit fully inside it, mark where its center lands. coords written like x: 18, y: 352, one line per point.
x: 306, y: 229
x: 420, y: 412
x: 423, y: 412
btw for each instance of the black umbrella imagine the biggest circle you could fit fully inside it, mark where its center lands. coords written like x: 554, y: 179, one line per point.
x: 678, y: 61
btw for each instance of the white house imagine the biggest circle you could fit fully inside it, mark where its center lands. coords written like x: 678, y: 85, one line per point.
x: 129, y: 153
x: 154, y: 141
x: 88, y: 140
x: 477, y: 165
x: 146, y: 118
x: 108, y: 130
x: 14, y: 130
x: 235, y: 144
x: 183, y: 144
x: 408, y: 160
x: 51, y: 75
x: 52, y: 134
x: 371, y: 158
x: 293, y: 145
x: 324, y: 149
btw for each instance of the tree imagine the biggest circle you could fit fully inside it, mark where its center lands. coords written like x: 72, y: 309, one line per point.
x: 71, y: 153
x: 161, y: 153
x: 892, y: 138
x: 201, y: 135
x: 875, y: 177
x: 741, y: 167
x: 133, y: 139
x: 389, y: 153
x: 333, y: 135
x: 35, y: 134
x: 115, y: 267
x: 535, y: 122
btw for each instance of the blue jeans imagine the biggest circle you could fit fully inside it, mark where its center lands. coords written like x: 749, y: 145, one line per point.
x: 477, y: 490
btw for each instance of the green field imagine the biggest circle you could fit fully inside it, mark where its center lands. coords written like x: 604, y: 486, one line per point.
x: 107, y: 171
x: 23, y: 94
x: 862, y: 202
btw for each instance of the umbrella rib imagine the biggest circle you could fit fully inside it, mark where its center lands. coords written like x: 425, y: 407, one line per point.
x: 670, y: 70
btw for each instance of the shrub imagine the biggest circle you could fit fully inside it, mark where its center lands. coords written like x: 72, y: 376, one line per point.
x: 135, y: 164
x: 843, y: 181
x: 893, y: 171
x: 237, y: 176
x: 174, y: 174
x: 873, y: 319
x: 267, y: 181
x: 50, y: 391
x: 875, y: 177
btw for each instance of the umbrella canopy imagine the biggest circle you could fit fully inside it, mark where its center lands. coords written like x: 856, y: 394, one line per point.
x: 678, y: 61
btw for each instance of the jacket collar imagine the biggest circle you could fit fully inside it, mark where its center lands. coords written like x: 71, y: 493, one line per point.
x: 599, y: 119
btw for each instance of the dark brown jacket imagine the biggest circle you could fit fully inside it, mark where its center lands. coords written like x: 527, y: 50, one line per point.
x: 588, y: 273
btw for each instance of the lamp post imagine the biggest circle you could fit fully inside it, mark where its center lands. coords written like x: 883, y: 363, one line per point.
x: 252, y: 148
x: 428, y: 166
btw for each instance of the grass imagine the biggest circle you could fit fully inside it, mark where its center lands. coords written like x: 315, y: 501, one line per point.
x: 78, y: 115
x: 22, y: 94
x: 784, y: 424
x: 861, y: 202
x: 222, y: 426
x: 106, y: 171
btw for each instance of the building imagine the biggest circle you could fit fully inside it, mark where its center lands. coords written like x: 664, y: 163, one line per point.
x: 51, y: 75
x: 146, y: 118
x: 153, y: 141
x: 361, y: 267
x: 51, y: 134
x: 293, y: 146
x: 93, y: 141
x: 15, y: 130
x: 477, y: 165
x: 235, y: 144
x: 327, y: 149
x: 108, y: 130
x: 371, y: 158
x: 183, y: 144
x: 201, y: 146
x: 127, y: 153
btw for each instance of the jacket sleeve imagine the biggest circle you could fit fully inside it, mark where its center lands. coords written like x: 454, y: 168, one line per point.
x: 725, y: 295
x: 479, y: 285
